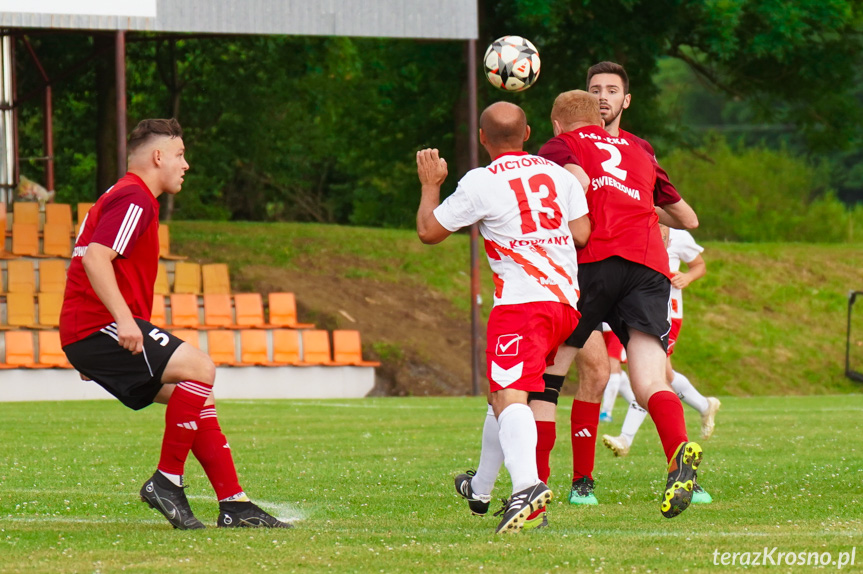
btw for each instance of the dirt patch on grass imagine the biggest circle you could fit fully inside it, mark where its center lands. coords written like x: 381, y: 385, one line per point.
x: 410, y: 329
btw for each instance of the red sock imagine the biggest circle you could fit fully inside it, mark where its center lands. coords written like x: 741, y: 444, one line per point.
x: 212, y: 451
x: 583, y: 422
x: 181, y: 424
x: 546, y: 434
x: 667, y: 414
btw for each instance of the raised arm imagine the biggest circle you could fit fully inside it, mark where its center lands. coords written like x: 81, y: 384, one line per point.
x: 432, y: 172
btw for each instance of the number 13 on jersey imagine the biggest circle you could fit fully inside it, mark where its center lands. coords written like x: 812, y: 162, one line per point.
x: 541, y: 187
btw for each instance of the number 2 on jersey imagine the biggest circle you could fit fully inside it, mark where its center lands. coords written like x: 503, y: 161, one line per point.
x: 549, y: 215
x: 610, y: 165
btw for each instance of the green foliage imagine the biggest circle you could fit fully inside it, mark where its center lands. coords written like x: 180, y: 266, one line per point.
x: 325, y: 129
x: 369, y: 484
x: 757, y: 194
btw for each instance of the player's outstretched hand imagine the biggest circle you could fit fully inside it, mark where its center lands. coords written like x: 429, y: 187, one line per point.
x: 431, y: 168
x: 129, y: 336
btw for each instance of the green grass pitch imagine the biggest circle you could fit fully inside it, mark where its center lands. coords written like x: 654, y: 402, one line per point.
x: 369, y: 484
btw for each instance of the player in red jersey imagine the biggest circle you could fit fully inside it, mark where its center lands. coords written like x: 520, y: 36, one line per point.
x: 610, y: 83
x: 107, y: 336
x: 625, y: 280
x: 531, y: 213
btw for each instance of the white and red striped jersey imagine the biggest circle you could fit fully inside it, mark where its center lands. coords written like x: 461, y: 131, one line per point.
x: 126, y: 219
x: 681, y: 247
x: 523, y: 204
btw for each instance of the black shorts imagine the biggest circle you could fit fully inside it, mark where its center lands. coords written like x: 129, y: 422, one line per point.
x: 134, y: 379
x: 623, y: 294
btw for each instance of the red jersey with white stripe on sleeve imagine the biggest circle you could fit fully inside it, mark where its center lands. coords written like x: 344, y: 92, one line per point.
x: 126, y: 219
x: 681, y: 247
x: 620, y: 198
x: 523, y: 204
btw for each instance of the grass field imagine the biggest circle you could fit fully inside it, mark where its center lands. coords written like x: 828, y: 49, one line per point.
x: 369, y: 484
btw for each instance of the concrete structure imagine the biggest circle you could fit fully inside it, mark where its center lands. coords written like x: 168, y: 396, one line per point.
x: 231, y: 383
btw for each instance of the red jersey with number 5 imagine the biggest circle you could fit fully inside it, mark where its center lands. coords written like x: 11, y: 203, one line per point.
x: 620, y: 197
x: 523, y: 204
x: 126, y: 219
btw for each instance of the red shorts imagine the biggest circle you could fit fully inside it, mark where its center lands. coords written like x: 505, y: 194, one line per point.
x: 673, y: 334
x: 614, y: 346
x: 523, y: 340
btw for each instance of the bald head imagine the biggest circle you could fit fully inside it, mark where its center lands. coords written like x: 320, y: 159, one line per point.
x: 504, y: 126
x: 576, y: 108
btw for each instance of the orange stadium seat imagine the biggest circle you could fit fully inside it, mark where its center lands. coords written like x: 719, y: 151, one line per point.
x: 20, y: 310
x: 184, y: 310
x: 250, y: 310
x: 55, y: 240
x: 162, y: 287
x: 165, y: 244
x: 19, y: 350
x: 50, y: 305
x: 283, y: 311
x: 189, y: 336
x: 52, y: 276
x: 20, y: 276
x: 286, y: 347
x: 316, y: 347
x: 59, y: 213
x: 50, y: 352
x: 3, y: 252
x: 82, y: 210
x: 159, y: 316
x: 217, y: 310
x: 216, y: 278
x: 253, y: 347
x: 347, y: 349
x: 26, y: 212
x: 187, y: 278
x: 221, y: 347
x: 25, y: 239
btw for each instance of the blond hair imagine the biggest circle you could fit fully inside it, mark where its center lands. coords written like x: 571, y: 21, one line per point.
x: 576, y: 106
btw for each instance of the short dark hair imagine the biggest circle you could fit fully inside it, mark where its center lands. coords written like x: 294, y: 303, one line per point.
x: 609, y: 68
x: 147, y: 129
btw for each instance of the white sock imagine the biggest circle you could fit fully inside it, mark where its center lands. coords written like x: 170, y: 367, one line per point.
x: 625, y: 388
x: 610, y: 393
x: 518, y: 441
x: 239, y: 497
x: 490, y: 457
x: 177, y: 479
x: 688, y: 394
x: 634, y: 417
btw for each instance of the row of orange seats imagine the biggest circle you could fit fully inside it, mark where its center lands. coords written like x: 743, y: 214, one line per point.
x: 285, y: 347
x: 240, y: 311
x: 221, y: 310
x: 22, y: 276
x: 194, y: 278
x: 29, y: 212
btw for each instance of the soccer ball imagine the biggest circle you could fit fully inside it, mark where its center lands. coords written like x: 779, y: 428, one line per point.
x: 511, y: 63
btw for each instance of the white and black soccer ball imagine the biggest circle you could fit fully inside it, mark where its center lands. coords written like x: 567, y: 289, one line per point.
x: 511, y: 63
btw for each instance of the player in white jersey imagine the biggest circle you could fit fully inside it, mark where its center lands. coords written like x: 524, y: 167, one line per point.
x: 531, y: 214
x: 681, y: 247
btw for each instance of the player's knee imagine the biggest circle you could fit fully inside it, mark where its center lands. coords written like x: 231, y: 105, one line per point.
x: 553, y: 385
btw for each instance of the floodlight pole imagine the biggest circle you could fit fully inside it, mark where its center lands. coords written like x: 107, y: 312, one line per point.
x: 473, y: 148
x: 120, y: 68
